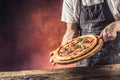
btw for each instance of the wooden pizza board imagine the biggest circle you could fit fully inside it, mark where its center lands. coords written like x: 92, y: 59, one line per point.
x: 85, y: 56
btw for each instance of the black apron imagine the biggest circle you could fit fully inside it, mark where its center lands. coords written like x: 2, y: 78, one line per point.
x: 93, y: 20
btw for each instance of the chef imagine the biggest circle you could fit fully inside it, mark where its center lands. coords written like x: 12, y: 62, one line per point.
x: 100, y: 17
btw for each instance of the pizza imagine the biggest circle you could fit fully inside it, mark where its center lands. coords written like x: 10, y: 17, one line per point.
x: 75, y: 48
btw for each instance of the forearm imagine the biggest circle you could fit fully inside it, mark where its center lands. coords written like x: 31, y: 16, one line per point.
x: 71, y: 32
x: 117, y: 26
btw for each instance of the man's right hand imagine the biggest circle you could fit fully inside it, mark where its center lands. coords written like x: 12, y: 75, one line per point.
x: 51, y: 58
x: 72, y: 31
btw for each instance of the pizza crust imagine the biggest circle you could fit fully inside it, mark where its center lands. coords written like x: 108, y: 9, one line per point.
x: 81, y: 57
x: 79, y: 53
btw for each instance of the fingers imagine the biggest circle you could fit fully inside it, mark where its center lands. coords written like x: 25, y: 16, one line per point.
x: 51, y: 58
x: 51, y: 61
x: 103, y: 35
x: 111, y: 37
x: 106, y: 36
x: 51, y: 53
x: 100, y: 36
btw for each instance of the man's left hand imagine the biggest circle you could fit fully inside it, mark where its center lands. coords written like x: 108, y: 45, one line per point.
x: 109, y: 32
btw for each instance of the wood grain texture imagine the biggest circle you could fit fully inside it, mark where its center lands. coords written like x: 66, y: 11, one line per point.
x: 85, y: 56
x: 108, y: 72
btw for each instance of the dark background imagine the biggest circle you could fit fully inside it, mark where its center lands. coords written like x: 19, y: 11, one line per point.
x: 29, y: 31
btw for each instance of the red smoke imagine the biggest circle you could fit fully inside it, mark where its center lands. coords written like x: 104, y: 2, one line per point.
x: 30, y: 30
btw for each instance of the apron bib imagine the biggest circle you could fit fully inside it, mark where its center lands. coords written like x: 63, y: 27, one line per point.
x: 93, y: 20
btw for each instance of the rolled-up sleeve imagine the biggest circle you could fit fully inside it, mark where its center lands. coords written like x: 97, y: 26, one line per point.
x: 68, y: 12
x: 119, y: 6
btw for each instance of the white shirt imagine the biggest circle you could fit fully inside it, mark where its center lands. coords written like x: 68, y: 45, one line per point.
x: 71, y: 9
x: 91, y: 2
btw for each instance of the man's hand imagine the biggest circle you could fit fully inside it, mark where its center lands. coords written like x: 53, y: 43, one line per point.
x: 51, y: 58
x: 72, y: 31
x: 110, y: 32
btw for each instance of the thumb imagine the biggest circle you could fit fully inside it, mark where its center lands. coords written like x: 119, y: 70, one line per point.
x: 101, y: 35
x: 52, y: 53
